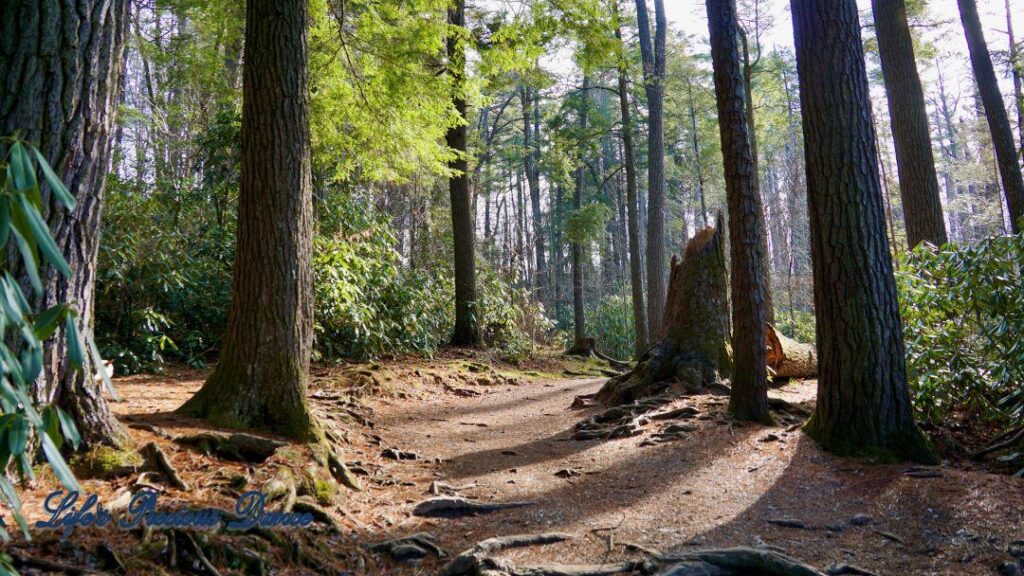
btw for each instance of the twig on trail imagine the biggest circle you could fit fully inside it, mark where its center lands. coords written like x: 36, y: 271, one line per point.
x: 158, y: 460
x: 610, y: 539
x: 21, y: 561
x: 185, y: 540
x: 1005, y: 440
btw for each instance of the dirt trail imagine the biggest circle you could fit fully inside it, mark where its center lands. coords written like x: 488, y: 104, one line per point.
x: 506, y: 436
x: 721, y: 485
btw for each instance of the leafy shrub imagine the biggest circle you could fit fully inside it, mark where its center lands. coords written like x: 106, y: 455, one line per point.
x: 963, y: 317
x: 610, y: 322
x: 798, y: 325
x: 21, y: 418
x: 510, y: 320
x: 368, y: 305
x: 162, y: 294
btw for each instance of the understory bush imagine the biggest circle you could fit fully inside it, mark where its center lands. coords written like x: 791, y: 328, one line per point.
x: 610, y: 322
x: 369, y: 304
x: 796, y: 324
x: 963, y: 321
x: 164, y: 294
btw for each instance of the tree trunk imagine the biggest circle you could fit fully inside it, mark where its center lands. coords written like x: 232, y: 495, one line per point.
x: 749, y: 397
x: 578, y: 311
x: 998, y: 122
x: 635, y: 263
x: 692, y: 351
x: 695, y: 143
x: 653, y: 57
x: 919, y: 185
x: 863, y: 403
x: 748, y: 98
x: 530, y: 154
x: 467, y: 332
x: 263, y: 372
x: 60, y: 67
x: 1015, y: 68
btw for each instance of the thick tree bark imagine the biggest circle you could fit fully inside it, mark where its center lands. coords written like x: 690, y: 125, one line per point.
x: 467, y: 331
x: 863, y: 402
x: 653, y: 56
x: 263, y: 372
x: 919, y: 184
x: 749, y: 397
x: 748, y: 98
x: 995, y: 113
x: 530, y: 156
x: 636, y: 272
x: 60, y: 67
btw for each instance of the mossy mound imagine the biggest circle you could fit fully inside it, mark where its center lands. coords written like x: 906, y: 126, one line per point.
x: 105, y: 463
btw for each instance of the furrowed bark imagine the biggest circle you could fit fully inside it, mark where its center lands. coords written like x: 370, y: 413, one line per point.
x: 749, y: 396
x: 863, y: 402
x: 919, y: 184
x: 635, y: 263
x: 995, y: 113
x: 467, y: 331
x: 261, y: 378
x: 60, y: 67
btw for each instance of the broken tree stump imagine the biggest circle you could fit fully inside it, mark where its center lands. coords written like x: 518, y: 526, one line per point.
x: 693, y: 350
x: 788, y: 358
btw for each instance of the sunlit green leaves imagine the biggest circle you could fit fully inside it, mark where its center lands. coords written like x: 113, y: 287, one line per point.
x: 21, y: 426
x: 587, y: 223
x: 963, y: 315
x: 56, y: 184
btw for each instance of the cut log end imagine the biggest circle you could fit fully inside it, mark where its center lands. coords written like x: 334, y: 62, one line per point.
x: 788, y: 358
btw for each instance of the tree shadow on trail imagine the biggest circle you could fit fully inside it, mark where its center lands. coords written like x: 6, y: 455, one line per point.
x: 492, y: 403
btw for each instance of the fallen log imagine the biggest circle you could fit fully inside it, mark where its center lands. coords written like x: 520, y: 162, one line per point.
x: 788, y: 358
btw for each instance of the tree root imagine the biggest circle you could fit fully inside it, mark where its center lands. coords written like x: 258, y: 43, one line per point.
x: 50, y: 567
x: 476, y: 561
x: 629, y: 419
x: 413, y: 547
x: 342, y: 474
x: 239, y: 446
x: 190, y: 555
x: 319, y: 514
x: 158, y: 460
x: 739, y: 561
x: 456, y: 506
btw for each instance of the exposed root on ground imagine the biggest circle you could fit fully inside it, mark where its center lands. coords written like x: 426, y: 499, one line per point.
x: 480, y: 560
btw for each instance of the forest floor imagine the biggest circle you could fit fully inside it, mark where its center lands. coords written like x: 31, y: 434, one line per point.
x: 498, y: 433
